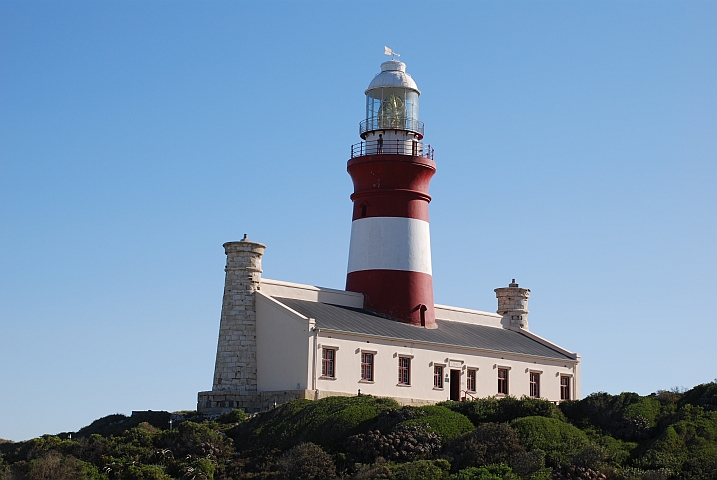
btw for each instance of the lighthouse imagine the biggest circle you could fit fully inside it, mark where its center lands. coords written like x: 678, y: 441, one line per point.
x: 390, y: 250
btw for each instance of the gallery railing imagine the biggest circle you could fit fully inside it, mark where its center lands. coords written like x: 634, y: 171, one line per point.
x: 395, y: 147
x: 390, y: 123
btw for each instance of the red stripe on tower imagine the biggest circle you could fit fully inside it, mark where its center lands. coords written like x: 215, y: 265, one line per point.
x: 390, y: 252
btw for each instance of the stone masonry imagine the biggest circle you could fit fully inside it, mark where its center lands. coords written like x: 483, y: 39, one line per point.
x: 513, y: 305
x: 235, y: 371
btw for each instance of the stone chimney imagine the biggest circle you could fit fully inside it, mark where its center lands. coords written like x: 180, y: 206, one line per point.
x: 513, y: 305
x: 235, y: 370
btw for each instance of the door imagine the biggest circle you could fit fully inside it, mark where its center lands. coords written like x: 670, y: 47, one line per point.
x: 455, y: 385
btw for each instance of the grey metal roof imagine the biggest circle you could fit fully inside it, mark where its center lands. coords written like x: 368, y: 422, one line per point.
x: 356, y: 320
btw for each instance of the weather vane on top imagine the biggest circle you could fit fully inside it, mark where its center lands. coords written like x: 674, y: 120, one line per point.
x: 388, y: 51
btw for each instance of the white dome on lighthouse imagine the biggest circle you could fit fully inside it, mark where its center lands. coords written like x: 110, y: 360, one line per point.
x: 393, y: 74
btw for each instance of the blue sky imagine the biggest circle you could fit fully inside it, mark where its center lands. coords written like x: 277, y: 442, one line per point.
x: 575, y: 144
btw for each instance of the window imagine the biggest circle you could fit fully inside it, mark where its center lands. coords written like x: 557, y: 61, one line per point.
x: 471, y: 380
x: 404, y: 371
x: 503, y: 381
x: 564, y: 387
x: 535, y: 384
x: 437, y: 376
x: 367, y: 367
x: 328, y: 362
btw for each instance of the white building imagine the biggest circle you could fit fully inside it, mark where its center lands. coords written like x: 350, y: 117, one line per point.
x: 385, y: 337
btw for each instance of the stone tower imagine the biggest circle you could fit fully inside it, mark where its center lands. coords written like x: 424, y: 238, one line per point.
x: 513, y: 305
x: 235, y: 371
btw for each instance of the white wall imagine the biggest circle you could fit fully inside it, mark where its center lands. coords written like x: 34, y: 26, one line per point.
x: 284, y: 345
x: 348, y: 369
x: 298, y: 291
x: 465, y: 315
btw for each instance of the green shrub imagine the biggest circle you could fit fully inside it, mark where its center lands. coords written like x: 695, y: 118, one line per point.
x: 421, y: 470
x: 326, y: 422
x: 306, y: 461
x: 489, y: 443
x: 688, y: 445
x: 199, y: 440
x: 627, y: 415
x: 704, y: 395
x: 443, y: 421
x: 489, y: 472
x: 505, y: 409
x: 559, y: 440
x: 402, y: 444
x: 235, y: 416
x: 118, y: 423
x: 144, y: 472
x: 56, y: 466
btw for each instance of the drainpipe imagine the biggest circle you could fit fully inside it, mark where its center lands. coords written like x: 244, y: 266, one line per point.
x: 315, y: 354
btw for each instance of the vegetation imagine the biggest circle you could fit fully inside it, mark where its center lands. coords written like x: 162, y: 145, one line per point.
x: 668, y: 435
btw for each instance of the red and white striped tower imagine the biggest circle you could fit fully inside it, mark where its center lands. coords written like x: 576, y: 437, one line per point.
x: 390, y: 252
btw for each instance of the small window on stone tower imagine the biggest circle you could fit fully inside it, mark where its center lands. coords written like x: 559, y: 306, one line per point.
x: 363, y: 210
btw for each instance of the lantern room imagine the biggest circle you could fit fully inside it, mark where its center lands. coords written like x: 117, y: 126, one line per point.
x: 391, y: 124
x: 392, y: 101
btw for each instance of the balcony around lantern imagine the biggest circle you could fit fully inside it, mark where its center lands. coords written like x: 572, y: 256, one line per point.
x: 392, y: 147
x: 374, y: 124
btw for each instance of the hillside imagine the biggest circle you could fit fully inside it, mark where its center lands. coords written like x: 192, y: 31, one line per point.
x: 662, y: 436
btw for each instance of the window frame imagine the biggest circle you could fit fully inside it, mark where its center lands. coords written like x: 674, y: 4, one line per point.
x: 503, y: 381
x: 438, y: 377
x: 328, y: 362
x: 474, y: 372
x: 565, y: 387
x: 404, y: 371
x: 367, y: 365
x: 534, y: 384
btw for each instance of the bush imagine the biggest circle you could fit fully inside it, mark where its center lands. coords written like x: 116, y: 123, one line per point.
x: 198, y: 440
x: 389, y: 418
x: 704, y: 396
x: 404, y: 443
x: 489, y: 472
x: 506, y: 409
x: 689, y: 445
x: 559, y: 440
x: 442, y: 421
x: 235, y: 416
x: 306, y: 461
x: 326, y: 422
x: 627, y: 415
x: 118, y: 423
x: 145, y: 472
x: 489, y: 443
x: 55, y: 466
x: 421, y: 470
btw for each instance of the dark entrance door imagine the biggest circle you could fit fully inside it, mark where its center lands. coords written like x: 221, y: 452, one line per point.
x: 455, y: 385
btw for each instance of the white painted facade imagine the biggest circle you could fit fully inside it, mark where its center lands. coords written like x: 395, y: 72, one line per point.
x: 289, y: 354
x: 288, y: 351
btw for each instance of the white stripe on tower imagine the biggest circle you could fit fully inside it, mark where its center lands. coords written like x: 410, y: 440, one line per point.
x: 390, y: 243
